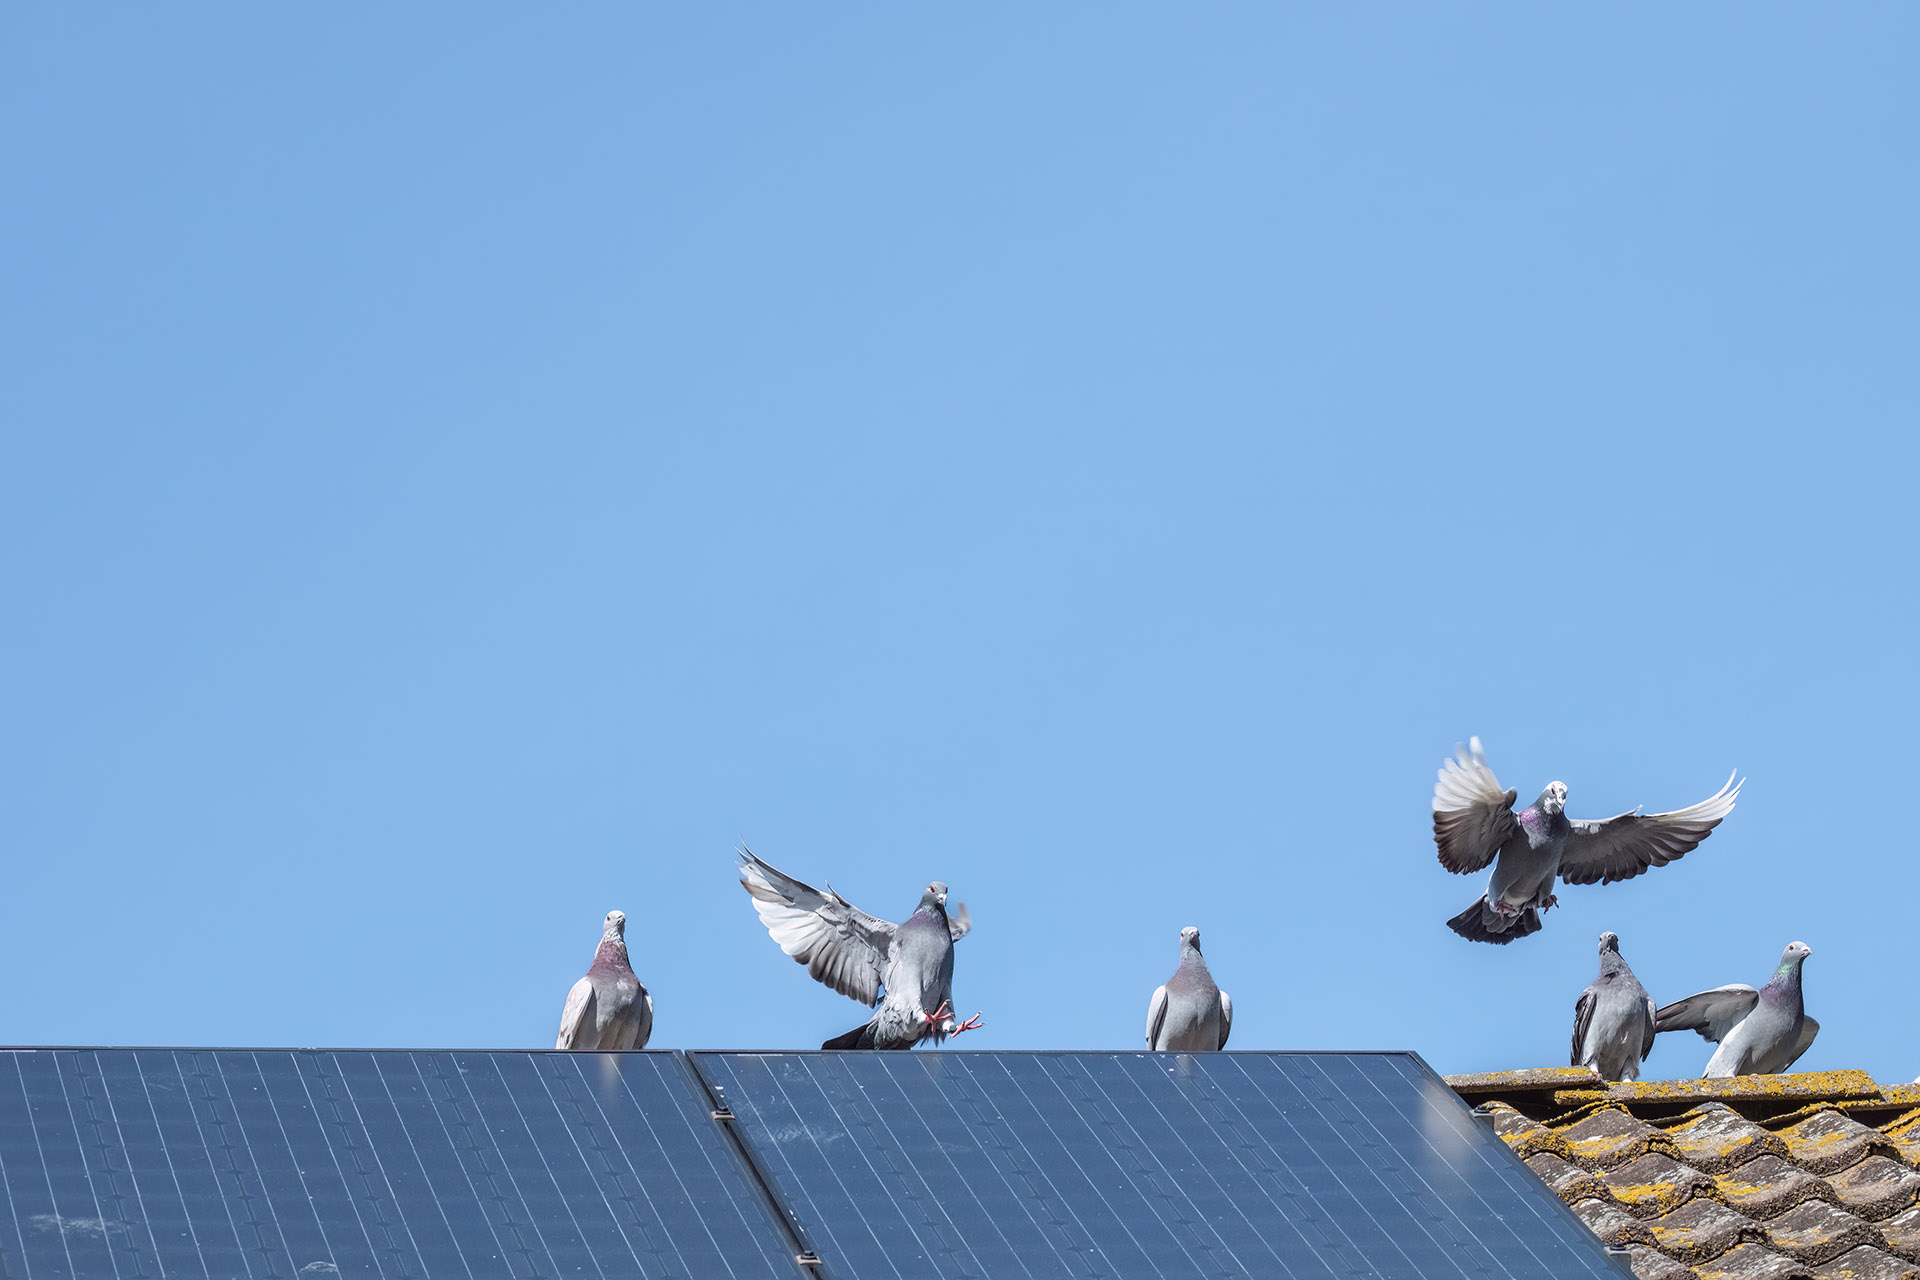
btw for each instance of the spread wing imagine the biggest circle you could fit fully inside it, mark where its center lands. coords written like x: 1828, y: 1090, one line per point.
x: 1156, y: 1014
x: 1582, y: 1016
x: 1623, y: 846
x: 959, y: 921
x: 1472, y: 816
x: 1808, y: 1030
x: 841, y: 945
x: 1711, y: 1013
x: 577, y: 1016
x: 1226, y: 1018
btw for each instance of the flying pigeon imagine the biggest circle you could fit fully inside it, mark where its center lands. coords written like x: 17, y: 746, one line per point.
x: 905, y: 971
x: 1474, y: 821
x: 607, y: 1009
x: 1761, y: 1033
x: 1613, y: 1019
x: 1189, y: 1013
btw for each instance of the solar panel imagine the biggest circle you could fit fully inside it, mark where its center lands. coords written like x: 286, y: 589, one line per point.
x: 1145, y: 1165
x: 228, y: 1163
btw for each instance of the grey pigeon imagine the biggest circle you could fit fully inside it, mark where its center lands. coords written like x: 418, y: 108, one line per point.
x: 1474, y: 822
x: 1613, y: 1019
x: 905, y: 971
x: 1189, y: 1013
x: 1760, y: 1033
x: 607, y: 1009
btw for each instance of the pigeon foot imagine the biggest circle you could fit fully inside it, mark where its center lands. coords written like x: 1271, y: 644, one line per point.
x: 971, y: 1024
x: 938, y: 1015
x: 1549, y: 902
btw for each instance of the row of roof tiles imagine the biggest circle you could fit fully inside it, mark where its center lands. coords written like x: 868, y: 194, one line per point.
x: 1814, y: 1176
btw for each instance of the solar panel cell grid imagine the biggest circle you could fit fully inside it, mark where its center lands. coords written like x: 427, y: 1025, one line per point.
x: 1133, y: 1164
x: 230, y: 1163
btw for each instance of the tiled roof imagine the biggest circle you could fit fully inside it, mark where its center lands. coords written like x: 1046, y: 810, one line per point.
x: 1787, y: 1177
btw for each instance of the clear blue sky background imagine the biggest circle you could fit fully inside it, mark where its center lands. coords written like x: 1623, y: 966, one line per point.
x: 464, y: 470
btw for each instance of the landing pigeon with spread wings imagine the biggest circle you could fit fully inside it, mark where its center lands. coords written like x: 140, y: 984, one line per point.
x: 1474, y: 823
x: 905, y: 971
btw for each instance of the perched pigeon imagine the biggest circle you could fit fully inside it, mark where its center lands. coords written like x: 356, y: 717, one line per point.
x: 904, y: 970
x: 1613, y: 1019
x: 1189, y: 1013
x: 607, y: 1009
x: 1474, y: 821
x: 1761, y: 1033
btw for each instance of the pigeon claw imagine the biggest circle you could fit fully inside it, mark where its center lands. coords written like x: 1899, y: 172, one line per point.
x: 1549, y: 902
x: 971, y: 1024
x: 938, y: 1015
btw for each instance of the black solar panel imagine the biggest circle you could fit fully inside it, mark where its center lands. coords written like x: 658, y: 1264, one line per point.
x: 229, y: 1163
x: 1145, y: 1165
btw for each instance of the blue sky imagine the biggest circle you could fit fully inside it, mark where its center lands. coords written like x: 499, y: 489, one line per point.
x: 462, y: 471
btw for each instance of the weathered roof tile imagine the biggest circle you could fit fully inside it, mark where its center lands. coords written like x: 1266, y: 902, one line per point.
x: 1827, y: 1142
x: 1569, y: 1181
x: 1768, y: 1187
x: 1876, y: 1188
x: 1902, y: 1231
x: 1651, y: 1264
x: 1718, y: 1138
x: 1816, y: 1232
x: 1612, y: 1223
x: 1702, y: 1230
x: 1753, y: 1262
x: 1868, y: 1263
x: 1527, y: 1137
x: 1657, y: 1184
x: 1610, y: 1138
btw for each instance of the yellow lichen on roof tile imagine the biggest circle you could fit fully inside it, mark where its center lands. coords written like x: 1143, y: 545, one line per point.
x: 1531, y: 1080
x: 1822, y: 1085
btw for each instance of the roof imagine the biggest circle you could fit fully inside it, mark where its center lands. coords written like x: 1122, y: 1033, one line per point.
x: 1750, y: 1178
x: 315, y: 1163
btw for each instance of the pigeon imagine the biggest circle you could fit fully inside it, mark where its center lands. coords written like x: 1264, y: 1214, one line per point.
x: 1474, y: 822
x: 607, y: 1009
x: 904, y: 971
x: 1760, y: 1033
x: 1613, y: 1019
x: 1189, y: 1013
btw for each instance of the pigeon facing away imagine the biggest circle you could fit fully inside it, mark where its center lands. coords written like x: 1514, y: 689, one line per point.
x: 1189, y: 1013
x: 904, y: 970
x: 1474, y: 822
x: 1613, y: 1019
x: 607, y: 1009
x: 1760, y: 1032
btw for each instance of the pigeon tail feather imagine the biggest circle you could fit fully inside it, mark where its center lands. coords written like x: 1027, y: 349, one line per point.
x: 1471, y: 925
x: 861, y: 1037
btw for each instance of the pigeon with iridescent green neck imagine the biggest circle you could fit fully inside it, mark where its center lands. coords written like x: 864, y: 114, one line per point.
x: 1760, y: 1033
x: 1613, y: 1019
x: 607, y: 1009
x: 1189, y: 1014
x: 1474, y: 823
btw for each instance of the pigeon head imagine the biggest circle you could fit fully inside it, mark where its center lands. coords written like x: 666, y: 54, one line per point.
x: 1190, y: 937
x: 1610, y: 941
x: 1554, y: 798
x: 616, y: 927
x: 935, y: 896
x: 1794, y: 955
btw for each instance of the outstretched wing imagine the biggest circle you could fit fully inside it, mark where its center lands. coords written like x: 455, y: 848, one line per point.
x: 1711, y: 1013
x: 577, y: 1018
x: 1472, y: 816
x: 1623, y: 846
x: 1156, y: 1014
x: 959, y: 921
x: 841, y: 945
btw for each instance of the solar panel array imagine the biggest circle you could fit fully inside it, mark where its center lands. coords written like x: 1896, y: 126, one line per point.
x: 232, y: 1163
x: 314, y: 1163
x: 1148, y: 1165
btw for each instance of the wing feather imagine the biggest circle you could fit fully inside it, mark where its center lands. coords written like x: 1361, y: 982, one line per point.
x: 1625, y: 845
x: 959, y: 921
x: 1472, y: 816
x: 577, y: 1017
x: 841, y: 945
x: 1156, y: 1015
x: 1582, y: 1017
x: 1711, y: 1013
x: 1226, y: 1018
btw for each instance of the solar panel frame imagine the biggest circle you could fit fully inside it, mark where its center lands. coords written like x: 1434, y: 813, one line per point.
x: 1044, y: 1163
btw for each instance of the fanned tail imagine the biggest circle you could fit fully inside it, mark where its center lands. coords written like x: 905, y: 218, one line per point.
x: 861, y: 1037
x: 1471, y: 924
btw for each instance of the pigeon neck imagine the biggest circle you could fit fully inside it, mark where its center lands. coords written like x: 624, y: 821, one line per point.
x: 612, y: 955
x: 1785, y: 986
